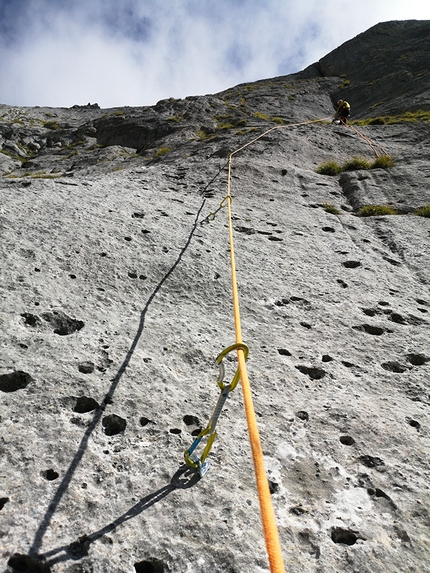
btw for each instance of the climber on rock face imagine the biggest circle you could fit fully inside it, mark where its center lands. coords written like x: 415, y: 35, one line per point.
x: 343, y: 109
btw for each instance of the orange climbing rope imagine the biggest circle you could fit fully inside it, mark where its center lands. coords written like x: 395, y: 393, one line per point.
x: 369, y: 141
x: 270, y: 529
x: 271, y: 535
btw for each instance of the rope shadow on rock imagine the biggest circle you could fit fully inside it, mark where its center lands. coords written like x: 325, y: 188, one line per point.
x: 184, y: 478
x: 65, y: 482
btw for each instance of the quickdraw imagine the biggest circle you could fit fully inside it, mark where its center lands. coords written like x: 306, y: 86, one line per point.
x: 191, y: 457
x: 212, y: 216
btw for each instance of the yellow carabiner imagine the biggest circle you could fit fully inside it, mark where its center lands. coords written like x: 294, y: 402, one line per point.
x: 219, y: 360
x: 226, y: 198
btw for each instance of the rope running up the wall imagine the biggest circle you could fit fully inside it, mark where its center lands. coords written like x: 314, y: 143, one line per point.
x: 270, y: 529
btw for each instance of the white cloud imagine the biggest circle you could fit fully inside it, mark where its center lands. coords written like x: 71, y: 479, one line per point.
x: 135, y: 52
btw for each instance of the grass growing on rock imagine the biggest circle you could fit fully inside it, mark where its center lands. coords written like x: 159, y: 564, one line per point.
x: 329, y: 208
x: 377, y: 211
x: 383, y: 162
x: 162, y: 151
x: 51, y: 125
x: 407, y: 117
x: 355, y: 164
x: 329, y: 168
x: 423, y: 211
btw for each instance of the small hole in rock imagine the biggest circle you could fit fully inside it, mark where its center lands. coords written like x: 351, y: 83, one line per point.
x: 284, y: 352
x: 273, y: 486
x: 30, y: 319
x: 345, y: 536
x: 26, y: 564
x: 144, y: 421
x: 369, y: 311
x: 149, y: 567
x: 374, y: 330
x: 190, y: 420
x: 175, y: 431
x: 313, y: 373
x: 417, y: 359
x: 351, y: 264
x: 370, y: 461
x: 415, y: 424
x: 328, y: 230
x: 14, y: 381
x: 50, y: 474
x: 86, y: 367
x: 347, y: 440
x: 3, y: 502
x: 113, y: 424
x: 326, y: 358
x: 393, y: 367
x: 79, y: 548
x: 302, y: 415
x: 127, y: 238
x: 397, y: 318
x: 85, y: 404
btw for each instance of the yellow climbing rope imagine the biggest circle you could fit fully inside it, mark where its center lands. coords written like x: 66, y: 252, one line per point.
x: 270, y: 529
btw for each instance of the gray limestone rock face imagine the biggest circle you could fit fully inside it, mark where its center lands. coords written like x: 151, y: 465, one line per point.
x: 116, y: 299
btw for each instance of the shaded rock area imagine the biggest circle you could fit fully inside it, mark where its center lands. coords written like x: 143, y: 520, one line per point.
x: 116, y: 300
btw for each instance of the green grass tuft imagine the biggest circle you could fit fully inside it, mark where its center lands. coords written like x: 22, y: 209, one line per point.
x: 407, y: 117
x: 51, y: 124
x: 423, y: 211
x: 261, y: 115
x: 377, y: 211
x: 383, y: 162
x: 356, y: 163
x: 329, y: 168
x: 329, y: 208
x: 162, y: 151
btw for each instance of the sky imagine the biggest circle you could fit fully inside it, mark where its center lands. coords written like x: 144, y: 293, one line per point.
x: 136, y: 52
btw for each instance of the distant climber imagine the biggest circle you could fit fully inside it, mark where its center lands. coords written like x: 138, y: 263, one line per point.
x: 343, y: 109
